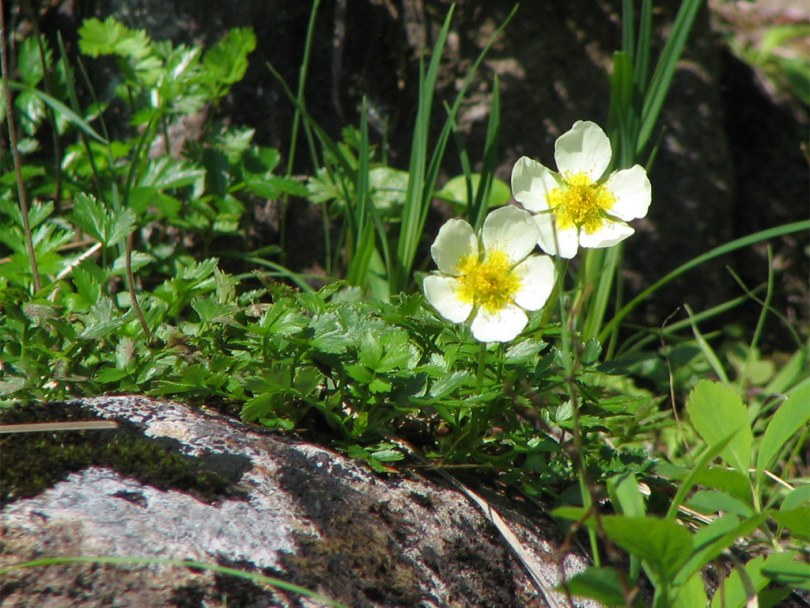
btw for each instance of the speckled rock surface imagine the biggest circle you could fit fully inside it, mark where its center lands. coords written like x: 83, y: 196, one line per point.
x: 254, y: 501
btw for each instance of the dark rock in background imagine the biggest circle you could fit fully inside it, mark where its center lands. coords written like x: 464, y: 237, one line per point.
x: 174, y: 482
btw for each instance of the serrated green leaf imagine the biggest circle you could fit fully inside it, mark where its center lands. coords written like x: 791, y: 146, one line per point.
x: 448, y: 384
x: 717, y: 410
x: 139, y: 259
x: 166, y: 173
x: 100, y: 37
x: 662, y: 543
x: 226, y: 61
x: 102, y: 319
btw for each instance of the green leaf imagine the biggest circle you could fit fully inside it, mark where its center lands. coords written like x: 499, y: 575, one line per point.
x: 226, y: 61
x: 96, y: 220
x: 100, y: 38
x: 732, y: 593
x: 797, y: 497
x: 796, y: 520
x: 711, y: 540
x: 102, y: 319
x: 601, y: 584
x: 716, y: 411
x: 455, y: 191
x: 692, y: 593
x: 709, y: 501
x: 791, y: 416
x: 788, y: 569
x: 624, y: 493
x: 166, y: 173
x: 664, y: 544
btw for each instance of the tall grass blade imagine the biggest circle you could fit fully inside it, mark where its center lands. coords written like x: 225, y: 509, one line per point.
x: 59, y: 108
x: 145, y: 561
x: 480, y: 203
x: 423, y: 180
x: 414, y: 211
x: 665, y: 70
x: 751, y: 239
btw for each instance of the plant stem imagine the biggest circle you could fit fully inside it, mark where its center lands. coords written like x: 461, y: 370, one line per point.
x: 482, y: 362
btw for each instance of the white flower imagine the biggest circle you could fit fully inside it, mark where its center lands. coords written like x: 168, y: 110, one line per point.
x: 491, y: 283
x: 585, y: 208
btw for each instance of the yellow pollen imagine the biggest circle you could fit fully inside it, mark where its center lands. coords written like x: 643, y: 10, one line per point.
x: 490, y: 283
x: 580, y: 202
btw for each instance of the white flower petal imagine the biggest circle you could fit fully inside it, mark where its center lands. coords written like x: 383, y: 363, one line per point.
x: 456, y: 240
x: 583, y: 149
x: 608, y: 235
x: 531, y: 183
x: 633, y: 193
x: 442, y: 293
x: 510, y: 230
x: 501, y: 326
x: 537, y: 278
x: 568, y: 239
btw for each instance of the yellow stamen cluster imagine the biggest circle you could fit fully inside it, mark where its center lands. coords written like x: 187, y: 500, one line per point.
x: 580, y: 202
x: 490, y: 283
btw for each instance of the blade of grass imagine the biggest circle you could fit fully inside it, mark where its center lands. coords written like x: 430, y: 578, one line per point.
x: 413, y: 212
x: 665, y: 70
x: 480, y: 204
x: 639, y: 341
x: 143, y: 561
x: 361, y: 221
x: 58, y: 107
x: 422, y: 182
x: 300, y: 99
x: 762, y: 235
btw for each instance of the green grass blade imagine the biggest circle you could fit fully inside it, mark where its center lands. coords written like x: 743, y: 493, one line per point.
x: 751, y: 239
x: 707, y: 350
x: 302, y: 81
x: 361, y: 213
x: 136, y: 561
x: 665, y: 70
x: 423, y: 180
x: 628, y: 28
x: 601, y: 266
x: 641, y: 60
x: 480, y: 206
x: 413, y: 212
x: 60, y: 108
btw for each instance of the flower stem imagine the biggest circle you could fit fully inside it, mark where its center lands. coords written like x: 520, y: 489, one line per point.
x: 482, y: 362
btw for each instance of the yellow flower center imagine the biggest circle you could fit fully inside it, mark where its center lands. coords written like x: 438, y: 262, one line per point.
x: 490, y: 283
x: 580, y: 202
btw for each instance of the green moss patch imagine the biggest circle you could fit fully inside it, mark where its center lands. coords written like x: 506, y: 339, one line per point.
x: 33, y: 462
